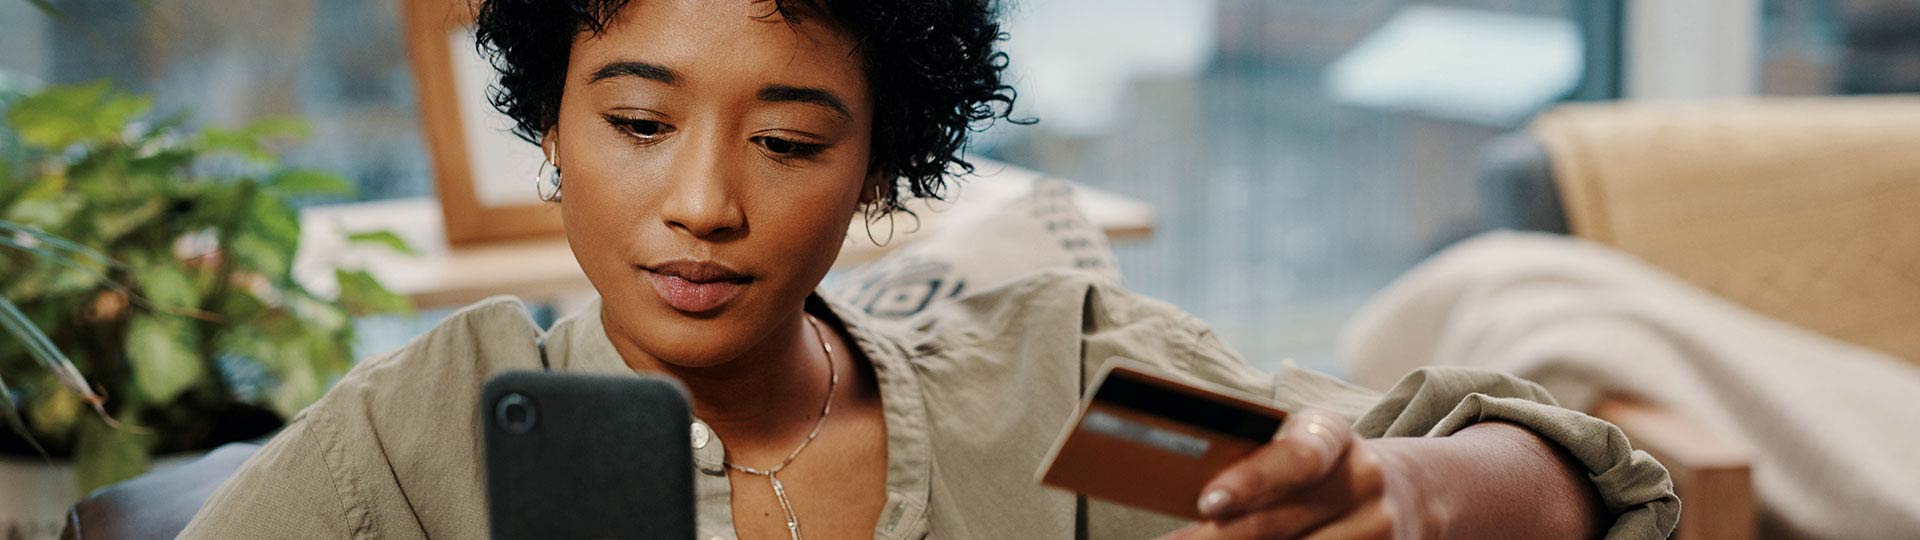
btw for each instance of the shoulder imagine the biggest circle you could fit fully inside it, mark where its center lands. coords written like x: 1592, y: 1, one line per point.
x: 455, y: 357
x: 430, y: 384
x: 416, y: 404
x: 393, y: 445
x: 1053, y: 301
x: 1079, y: 321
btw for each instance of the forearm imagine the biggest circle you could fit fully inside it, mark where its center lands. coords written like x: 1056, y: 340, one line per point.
x: 1491, y: 480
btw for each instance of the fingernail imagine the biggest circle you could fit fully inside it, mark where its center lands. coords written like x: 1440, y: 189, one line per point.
x: 1214, y: 502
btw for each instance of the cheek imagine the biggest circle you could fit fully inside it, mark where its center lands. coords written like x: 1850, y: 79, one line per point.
x: 604, y: 206
x: 800, y: 215
x: 805, y: 218
x: 589, y: 207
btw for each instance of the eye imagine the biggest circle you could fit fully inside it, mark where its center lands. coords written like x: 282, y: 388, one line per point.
x: 639, y: 128
x: 788, y: 148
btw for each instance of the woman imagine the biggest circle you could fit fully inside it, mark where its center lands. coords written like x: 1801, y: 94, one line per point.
x: 709, y: 154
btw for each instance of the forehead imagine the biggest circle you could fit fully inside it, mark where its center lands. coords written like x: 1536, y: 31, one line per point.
x: 715, y: 42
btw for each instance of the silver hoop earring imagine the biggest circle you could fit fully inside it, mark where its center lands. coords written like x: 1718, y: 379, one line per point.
x: 547, y: 184
x: 879, y: 207
x: 877, y: 241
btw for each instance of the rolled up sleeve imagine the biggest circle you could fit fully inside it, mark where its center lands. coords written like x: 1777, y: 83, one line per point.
x: 1437, y: 402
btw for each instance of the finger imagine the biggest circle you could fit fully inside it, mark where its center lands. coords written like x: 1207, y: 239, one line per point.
x: 1352, y: 485
x: 1369, y: 522
x: 1308, y: 447
x: 1183, y: 533
x: 1285, y: 521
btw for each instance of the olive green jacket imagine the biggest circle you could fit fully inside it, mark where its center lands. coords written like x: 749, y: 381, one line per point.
x: 975, y: 393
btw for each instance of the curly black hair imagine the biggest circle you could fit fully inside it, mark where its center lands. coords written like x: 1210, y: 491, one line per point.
x: 930, y: 64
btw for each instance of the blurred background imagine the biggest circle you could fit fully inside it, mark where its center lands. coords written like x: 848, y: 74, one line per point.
x: 1267, y: 165
x: 1298, y: 153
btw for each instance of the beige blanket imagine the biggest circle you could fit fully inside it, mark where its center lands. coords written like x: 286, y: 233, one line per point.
x: 1836, y: 426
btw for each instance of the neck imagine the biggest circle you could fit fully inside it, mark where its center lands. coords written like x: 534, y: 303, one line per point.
x: 767, y: 397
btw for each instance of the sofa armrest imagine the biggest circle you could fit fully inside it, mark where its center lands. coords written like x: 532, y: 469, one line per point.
x: 1712, y: 475
x: 156, y: 505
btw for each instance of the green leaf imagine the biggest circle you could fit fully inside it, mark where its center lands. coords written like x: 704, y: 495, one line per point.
x: 301, y: 182
x: 52, y: 118
x: 332, y: 355
x: 104, y: 455
x: 240, y: 304
x: 382, y: 238
x: 165, y: 283
x: 163, y: 162
x: 48, y: 245
x: 45, y: 204
x: 113, y: 225
x: 55, y: 411
x: 364, y: 295
x: 287, y: 127
x: 238, y: 143
x: 61, y: 116
x: 321, y: 316
x: 79, y: 267
x: 42, y: 350
x: 166, y: 360
x: 252, y: 253
x: 55, y: 362
x: 276, y: 222
x: 119, y: 110
x: 73, y: 280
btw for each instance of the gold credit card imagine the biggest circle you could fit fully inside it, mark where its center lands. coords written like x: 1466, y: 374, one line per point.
x: 1145, y: 440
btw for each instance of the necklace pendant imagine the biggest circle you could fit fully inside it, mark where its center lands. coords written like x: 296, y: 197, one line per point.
x: 780, y: 494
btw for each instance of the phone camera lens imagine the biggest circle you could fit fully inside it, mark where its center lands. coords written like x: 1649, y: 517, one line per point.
x: 515, y: 413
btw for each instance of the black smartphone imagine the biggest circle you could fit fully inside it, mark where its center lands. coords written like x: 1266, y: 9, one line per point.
x: 587, y: 457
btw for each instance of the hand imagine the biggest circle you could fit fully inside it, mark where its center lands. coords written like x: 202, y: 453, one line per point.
x: 1316, y: 480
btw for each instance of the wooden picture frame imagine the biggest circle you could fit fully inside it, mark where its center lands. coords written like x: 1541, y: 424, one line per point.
x: 482, y: 175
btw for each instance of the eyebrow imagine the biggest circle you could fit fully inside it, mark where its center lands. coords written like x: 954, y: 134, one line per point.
x: 778, y: 93
x: 630, y: 68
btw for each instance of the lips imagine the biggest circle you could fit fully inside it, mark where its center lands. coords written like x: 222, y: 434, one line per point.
x: 695, y: 287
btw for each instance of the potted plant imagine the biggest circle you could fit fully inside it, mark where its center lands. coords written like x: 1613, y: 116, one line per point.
x: 146, y: 292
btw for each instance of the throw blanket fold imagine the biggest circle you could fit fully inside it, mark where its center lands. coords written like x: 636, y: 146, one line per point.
x: 1836, y: 427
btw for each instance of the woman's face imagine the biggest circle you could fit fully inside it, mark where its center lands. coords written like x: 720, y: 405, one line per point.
x: 712, y: 156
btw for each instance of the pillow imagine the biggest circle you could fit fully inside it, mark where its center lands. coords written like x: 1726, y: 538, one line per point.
x: 981, y: 241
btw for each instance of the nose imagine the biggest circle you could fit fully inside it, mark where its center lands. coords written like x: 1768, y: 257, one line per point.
x: 700, y: 199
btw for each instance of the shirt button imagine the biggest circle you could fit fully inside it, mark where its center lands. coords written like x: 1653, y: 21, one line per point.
x: 700, y: 437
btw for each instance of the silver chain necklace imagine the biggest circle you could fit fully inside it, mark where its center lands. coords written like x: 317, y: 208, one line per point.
x: 780, y: 492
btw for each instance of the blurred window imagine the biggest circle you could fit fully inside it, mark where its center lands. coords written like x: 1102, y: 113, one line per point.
x: 1816, y: 47
x: 338, y: 64
x: 1301, y: 153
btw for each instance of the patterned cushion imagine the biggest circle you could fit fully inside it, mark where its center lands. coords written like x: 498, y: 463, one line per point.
x: 979, y: 243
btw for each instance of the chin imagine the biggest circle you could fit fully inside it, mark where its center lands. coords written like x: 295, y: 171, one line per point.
x: 677, y: 339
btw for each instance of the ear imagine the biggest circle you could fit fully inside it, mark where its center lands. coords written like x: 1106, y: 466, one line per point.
x: 550, y: 147
x: 875, y: 189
